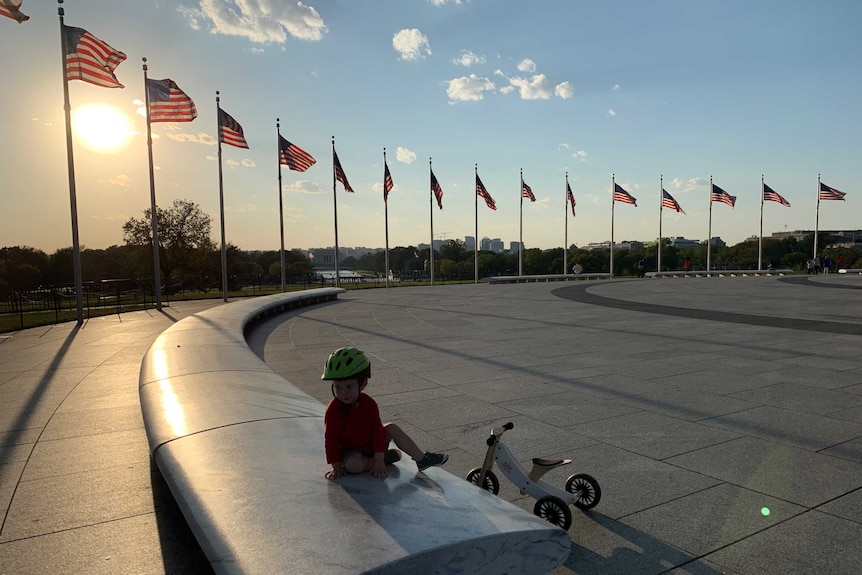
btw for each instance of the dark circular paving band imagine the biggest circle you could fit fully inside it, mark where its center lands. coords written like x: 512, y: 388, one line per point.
x: 580, y: 294
x: 806, y: 281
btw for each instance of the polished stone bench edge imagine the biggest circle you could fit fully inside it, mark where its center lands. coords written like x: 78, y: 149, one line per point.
x: 207, y: 478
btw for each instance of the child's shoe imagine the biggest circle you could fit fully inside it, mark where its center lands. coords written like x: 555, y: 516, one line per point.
x: 391, y: 456
x: 431, y: 459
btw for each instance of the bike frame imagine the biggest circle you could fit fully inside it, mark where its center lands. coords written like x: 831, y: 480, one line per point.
x: 529, y: 483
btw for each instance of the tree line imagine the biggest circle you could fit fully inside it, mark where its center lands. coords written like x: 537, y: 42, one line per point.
x: 190, y: 260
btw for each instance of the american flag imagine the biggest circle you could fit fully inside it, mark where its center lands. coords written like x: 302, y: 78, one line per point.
x: 9, y: 8
x: 570, y: 197
x: 620, y: 195
x: 339, y: 172
x: 667, y: 201
x: 438, y: 191
x: 168, y: 103
x: 483, y: 193
x: 719, y: 195
x: 293, y: 156
x: 827, y: 193
x: 527, y: 191
x: 229, y: 131
x: 89, y: 59
x: 387, y: 181
x: 772, y: 196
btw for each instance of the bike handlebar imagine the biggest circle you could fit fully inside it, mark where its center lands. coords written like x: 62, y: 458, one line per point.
x: 497, y: 432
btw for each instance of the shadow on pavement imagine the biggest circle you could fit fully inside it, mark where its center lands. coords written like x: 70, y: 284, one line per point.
x: 181, y: 552
x: 632, y: 552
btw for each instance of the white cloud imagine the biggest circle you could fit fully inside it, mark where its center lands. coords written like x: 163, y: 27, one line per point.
x: 564, y: 90
x: 612, y: 112
x: 688, y: 185
x: 304, y: 187
x: 412, y: 44
x: 469, y: 88
x: 442, y: 2
x: 260, y: 21
x: 404, y: 155
x: 616, y: 87
x: 527, y: 65
x: 248, y: 163
x: 581, y: 155
x: 536, y: 88
x: 231, y: 163
x: 467, y: 58
x: 201, y: 138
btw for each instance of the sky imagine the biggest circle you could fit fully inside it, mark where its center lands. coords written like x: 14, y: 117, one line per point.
x: 671, y: 92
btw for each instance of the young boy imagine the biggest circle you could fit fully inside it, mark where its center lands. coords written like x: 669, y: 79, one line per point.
x: 354, y: 436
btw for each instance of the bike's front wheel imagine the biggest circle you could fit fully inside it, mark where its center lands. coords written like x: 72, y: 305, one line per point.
x: 554, y: 510
x: 491, y: 482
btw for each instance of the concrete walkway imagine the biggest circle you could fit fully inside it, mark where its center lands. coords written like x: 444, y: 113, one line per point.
x: 78, y: 494
x: 721, y: 416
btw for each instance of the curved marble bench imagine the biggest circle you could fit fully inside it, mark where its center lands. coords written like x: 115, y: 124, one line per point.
x: 242, y: 451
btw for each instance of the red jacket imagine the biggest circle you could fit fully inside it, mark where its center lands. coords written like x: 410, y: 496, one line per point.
x: 352, y: 428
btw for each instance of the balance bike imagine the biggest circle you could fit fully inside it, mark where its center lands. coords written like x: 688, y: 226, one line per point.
x: 552, y: 503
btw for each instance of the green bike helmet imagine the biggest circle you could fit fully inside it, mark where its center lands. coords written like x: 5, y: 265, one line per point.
x: 347, y: 362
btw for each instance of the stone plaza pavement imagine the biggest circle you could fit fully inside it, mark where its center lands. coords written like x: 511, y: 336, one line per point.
x: 721, y: 416
x: 78, y: 494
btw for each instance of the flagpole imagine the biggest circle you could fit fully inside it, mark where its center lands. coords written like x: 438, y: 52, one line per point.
x: 476, y: 242
x: 760, y: 237
x: 431, y: 205
x: 660, y: 207
x: 613, y: 203
x: 154, y: 220
x: 817, y: 218
x: 521, y: 228
x: 280, y: 202
x: 566, y: 227
x: 386, y: 217
x: 221, y: 210
x: 335, y: 215
x: 70, y: 160
x: 709, y: 231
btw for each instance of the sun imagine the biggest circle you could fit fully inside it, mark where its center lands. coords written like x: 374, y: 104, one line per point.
x: 101, y: 127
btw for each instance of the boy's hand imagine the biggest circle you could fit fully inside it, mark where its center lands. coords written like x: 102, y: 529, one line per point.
x: 378, y: 468
x: 336, y: 471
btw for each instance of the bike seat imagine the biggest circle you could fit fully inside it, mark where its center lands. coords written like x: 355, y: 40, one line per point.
x: 550, y: 462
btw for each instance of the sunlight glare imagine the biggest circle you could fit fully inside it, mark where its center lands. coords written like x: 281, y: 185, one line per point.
x: 101, y: 127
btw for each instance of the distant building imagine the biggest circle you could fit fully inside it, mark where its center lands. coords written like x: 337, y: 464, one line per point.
x: 324, y: 258
x: 597, y: 246
x: 437, y: 245
x: 515, y: 246
x: 681, y: 242
x: 845, y: 238
x: 469, y: 243
x: 497, y: 245
x: 629, y: 245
